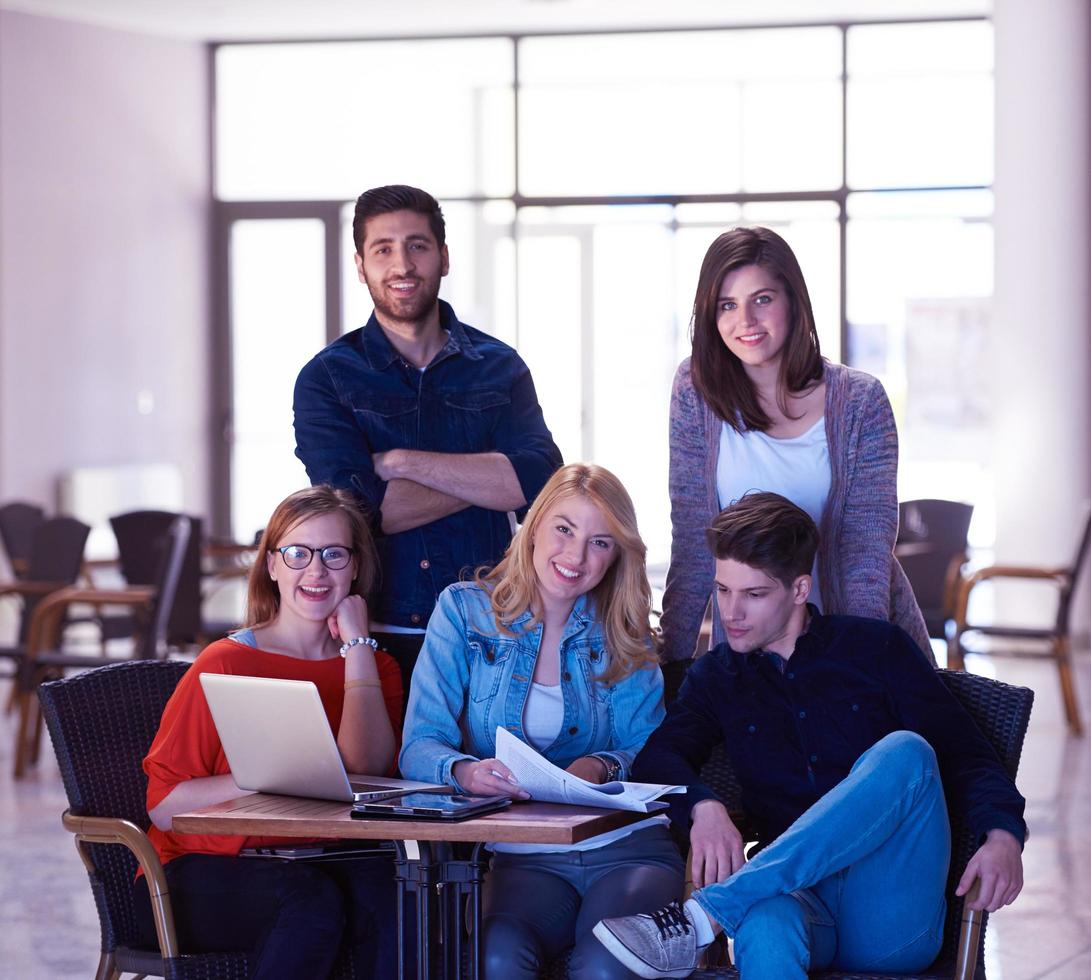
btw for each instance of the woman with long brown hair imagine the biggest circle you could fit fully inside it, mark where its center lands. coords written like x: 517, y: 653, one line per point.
x: 553, y: 644
x: 306, y: 620
x: 757, y: 407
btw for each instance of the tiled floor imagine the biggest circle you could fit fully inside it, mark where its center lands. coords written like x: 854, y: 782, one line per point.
x: 48, y: 927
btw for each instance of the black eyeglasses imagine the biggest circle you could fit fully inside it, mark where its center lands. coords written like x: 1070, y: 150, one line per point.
x: 334, y: 556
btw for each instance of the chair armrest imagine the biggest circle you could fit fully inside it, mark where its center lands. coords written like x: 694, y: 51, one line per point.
x: 114, y: 830
x: 969, y: 936
x: 951, y: 580
x: 45, y: 624
x: 31, y: 588
x: 966, y: 584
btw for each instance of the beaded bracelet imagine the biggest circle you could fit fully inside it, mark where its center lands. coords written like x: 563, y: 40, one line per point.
x: 357, y: 640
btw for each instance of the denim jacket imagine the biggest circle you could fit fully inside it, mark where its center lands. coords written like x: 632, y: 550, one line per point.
x: 358, y: 397
x: 470, y: 678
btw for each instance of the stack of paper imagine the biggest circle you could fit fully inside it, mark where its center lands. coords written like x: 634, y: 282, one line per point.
x: 550, y: 784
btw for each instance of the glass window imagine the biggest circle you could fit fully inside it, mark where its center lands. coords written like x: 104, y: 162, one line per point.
x: 277, y: 325
x: 920, y: 279
x: 683, y: 113
x: 920, y: 105
x: 325, y: 121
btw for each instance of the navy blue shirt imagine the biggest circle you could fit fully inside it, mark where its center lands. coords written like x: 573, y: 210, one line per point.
x: 793, y: 729
x: 359, y: 396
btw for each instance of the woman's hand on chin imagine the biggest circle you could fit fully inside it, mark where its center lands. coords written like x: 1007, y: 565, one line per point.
x: 350, y: 619
x: 489, y: 777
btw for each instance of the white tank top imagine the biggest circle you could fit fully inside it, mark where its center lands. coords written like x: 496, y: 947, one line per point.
x: 797, y: 468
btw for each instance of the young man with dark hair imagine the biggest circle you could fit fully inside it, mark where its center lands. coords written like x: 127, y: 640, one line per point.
x: 844, y: 741
x: 433, y: 425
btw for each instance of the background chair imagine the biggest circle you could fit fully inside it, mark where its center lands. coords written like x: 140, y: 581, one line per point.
x: 1049, y: 641
x: 932, y: 548
x: 141, y: 537
x: 53, y: 561
x: 1002, y: 712
x: 46, y: 658
x: 102, y: 723
x: 18, y: 522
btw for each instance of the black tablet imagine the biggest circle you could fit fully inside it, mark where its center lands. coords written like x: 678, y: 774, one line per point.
x: 430, y: 806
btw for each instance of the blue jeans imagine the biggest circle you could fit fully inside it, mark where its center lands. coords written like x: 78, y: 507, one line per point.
x: 856, y: 883
x: 539, y: 905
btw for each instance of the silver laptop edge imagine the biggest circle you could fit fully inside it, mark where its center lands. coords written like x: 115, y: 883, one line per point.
x: 277, y: 739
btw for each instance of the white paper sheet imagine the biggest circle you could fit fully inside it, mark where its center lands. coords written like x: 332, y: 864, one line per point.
x: 551, y: 784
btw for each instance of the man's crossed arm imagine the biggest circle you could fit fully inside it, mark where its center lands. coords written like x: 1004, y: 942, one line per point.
x: 424, y: 486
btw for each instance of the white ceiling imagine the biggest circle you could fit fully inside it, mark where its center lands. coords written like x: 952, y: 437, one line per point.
x: 272, y: 19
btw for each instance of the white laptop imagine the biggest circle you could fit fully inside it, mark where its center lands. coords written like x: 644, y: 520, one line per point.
x: 277, y: 739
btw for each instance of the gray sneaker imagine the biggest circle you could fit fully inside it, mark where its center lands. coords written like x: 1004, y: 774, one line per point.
x: 663, y: 944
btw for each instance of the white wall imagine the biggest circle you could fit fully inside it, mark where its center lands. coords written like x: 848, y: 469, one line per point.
x: 1042, y: 299
x: 104, y: 226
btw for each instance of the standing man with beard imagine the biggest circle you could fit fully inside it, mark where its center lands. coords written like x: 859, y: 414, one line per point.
x: 433, y: 425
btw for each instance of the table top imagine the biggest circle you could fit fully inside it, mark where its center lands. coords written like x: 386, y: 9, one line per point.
x: 266, y: 815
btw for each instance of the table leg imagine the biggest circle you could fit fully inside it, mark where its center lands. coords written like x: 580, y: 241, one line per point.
x: 420, y: 872
x: 415, y: 872
x: 462, y: 879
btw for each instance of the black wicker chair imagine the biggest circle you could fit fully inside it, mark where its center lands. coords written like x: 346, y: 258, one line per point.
x: 46, y: 657
x: 102, y: 723
x: 1002, y: 712
x: 52, y: 561
x: 932, y: 548
x: 18, y: 522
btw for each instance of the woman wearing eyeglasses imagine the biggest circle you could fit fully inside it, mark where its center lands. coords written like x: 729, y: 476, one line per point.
x: 306, y: 620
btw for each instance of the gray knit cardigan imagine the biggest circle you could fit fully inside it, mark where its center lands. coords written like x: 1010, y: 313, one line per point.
x: 857, y: 571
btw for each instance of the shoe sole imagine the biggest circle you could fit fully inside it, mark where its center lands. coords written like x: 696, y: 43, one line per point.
x: 629, y: 959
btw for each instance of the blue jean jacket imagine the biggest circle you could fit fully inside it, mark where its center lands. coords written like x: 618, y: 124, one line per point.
x: 470, y: 678
x: 358, y: 397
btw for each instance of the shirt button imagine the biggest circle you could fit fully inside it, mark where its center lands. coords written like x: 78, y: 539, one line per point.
x: 426, y: 564
x: 573, y: 730
x: 856, y: 707
x: 567, y: 676
x: 751, y: 728
x: 791, y: 676
x: 814, y: 758
x: 803, y: 714
x: 415, y: 618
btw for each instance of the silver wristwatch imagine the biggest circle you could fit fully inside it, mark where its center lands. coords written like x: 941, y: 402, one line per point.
x: 613, y: 767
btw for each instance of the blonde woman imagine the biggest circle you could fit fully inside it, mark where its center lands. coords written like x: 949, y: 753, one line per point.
x: 554, y: 645
x: 306, y: 620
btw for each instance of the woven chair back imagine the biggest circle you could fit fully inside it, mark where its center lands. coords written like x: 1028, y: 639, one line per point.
x: 142, y: 539
x: 18, y: 522
x: 56, y: 555
x: 102, y: 723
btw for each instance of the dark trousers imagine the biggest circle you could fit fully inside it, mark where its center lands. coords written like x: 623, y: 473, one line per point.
x: 291, y: 916
x: 539, y: 905
x: 403, y: 647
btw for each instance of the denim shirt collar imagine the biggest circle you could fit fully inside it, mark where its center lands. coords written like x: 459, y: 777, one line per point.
x: 381, y: 353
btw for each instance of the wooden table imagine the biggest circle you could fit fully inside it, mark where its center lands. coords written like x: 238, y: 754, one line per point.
x: 422, y: 870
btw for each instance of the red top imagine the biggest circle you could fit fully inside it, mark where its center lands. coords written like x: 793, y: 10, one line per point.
x: 187, y: 744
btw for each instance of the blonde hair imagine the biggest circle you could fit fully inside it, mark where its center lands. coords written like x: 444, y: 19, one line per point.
x: 262, y: 593
x: 622, y: 600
